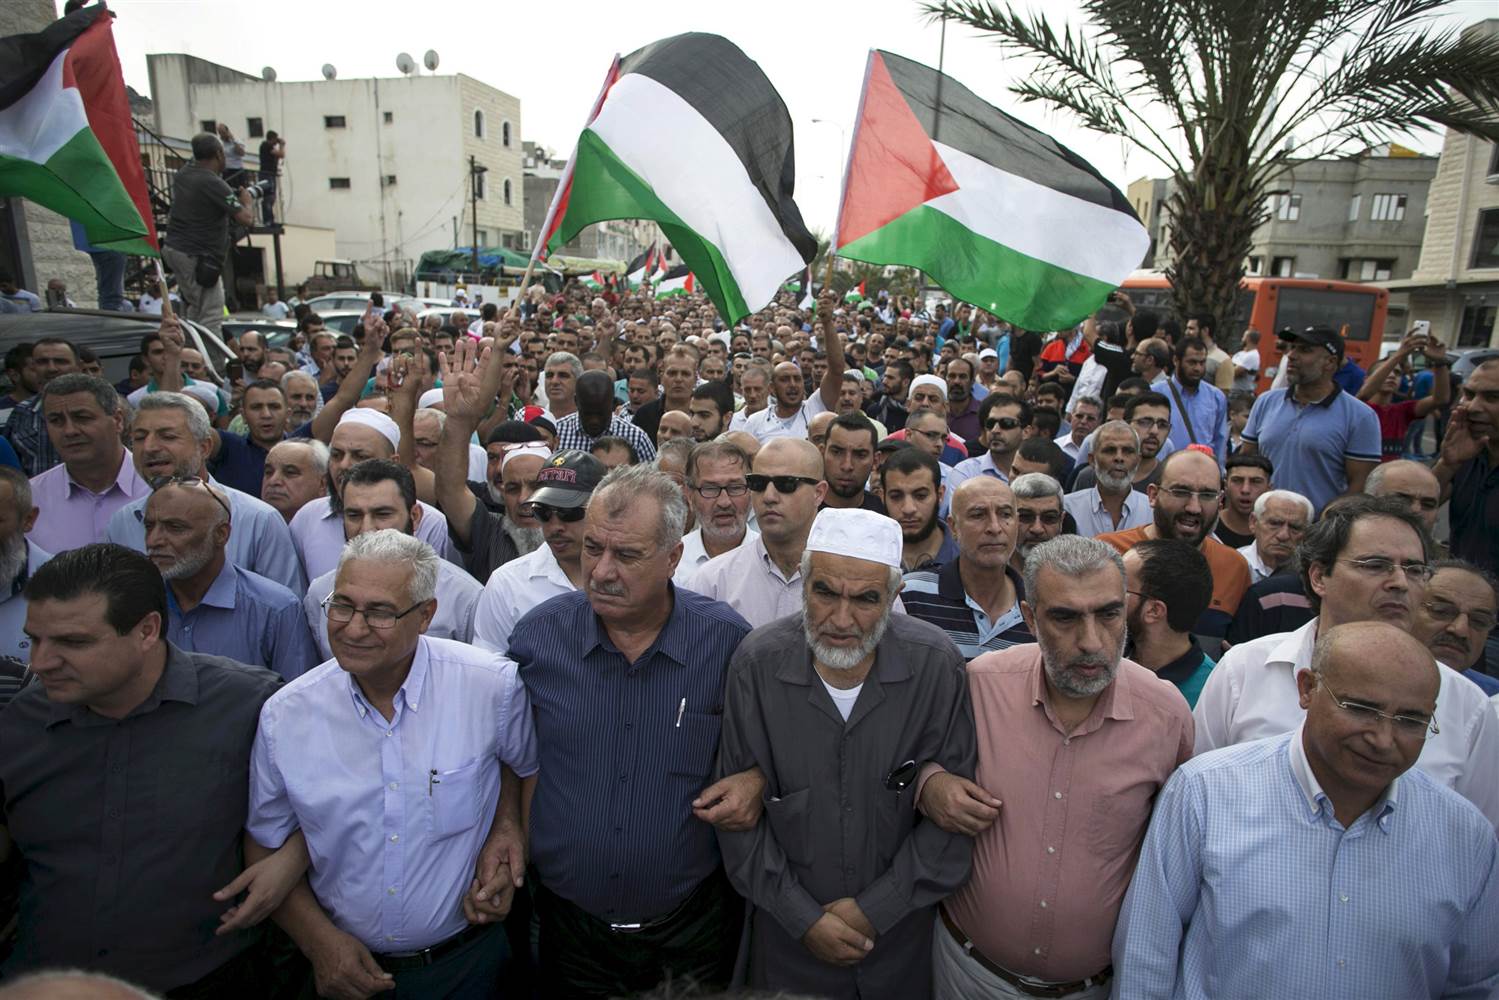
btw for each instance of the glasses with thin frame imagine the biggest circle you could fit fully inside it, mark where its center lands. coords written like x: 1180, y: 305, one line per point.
x: 1410, y: 726
x: 341, y: 613
x: 1204, y: 497
x: 1416, y: 572
x: 1446, y: 613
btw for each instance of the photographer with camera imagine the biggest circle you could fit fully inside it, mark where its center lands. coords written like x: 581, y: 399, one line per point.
x: 198, y: 230
x: 271, y: 152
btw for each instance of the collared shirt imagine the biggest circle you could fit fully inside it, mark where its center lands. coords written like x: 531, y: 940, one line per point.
x: 1093, y: 518
x: 937, y: 596
x: 1208, y: 409
x: 240, y: 463
x: 1229, y: 571
x: 1050, y: 875
x: 946, y: 553
x: 1475, y: 512
x: 1249, y: 887
x: 317, y: 530
x: 767, y: 425
x: 1069, y: 447
x: 258, y: 538
x: 965, y: 470
x: 570, y: 435
x: 1309, y: 443
x: 1252, y: 694
x: 72, y: 516
x: 457, y: 594
x: 695, y: 554
x: 1189, y: 672
x: 13, y: 640
x: 246, y: 618
x: 27, y: 431
x: 395, y: 811
x: 1258, y: 568
x: 749, y: 581
x: 127, y: 827
x: 512, y: 590
x: 626, y: 747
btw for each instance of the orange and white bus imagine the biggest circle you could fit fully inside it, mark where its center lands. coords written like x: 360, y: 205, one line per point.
x: 1272, y: 304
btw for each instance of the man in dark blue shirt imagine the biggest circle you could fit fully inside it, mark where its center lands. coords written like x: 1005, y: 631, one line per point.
x: 1468, y: 468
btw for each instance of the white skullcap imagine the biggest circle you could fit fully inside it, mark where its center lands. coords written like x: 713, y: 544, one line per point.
x: 536, y: 448
x: 930, y: 380
x: 205, y: 394
x: 430, y: 398
x: 988, y: 352
x: 859, y: 534
x: 376, y: 421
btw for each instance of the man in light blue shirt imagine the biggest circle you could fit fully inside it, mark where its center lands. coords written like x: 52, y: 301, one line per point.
x: 388, y: 757
x: 1319, y: 863
x: 1199, y: 410
x: 1113, y: 503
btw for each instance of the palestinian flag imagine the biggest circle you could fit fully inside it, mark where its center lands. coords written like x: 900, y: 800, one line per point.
x: 67, y: 141
x: 678, y: 281
x: 689, y: 133
x: 639, y: 270
x: 992, y: 210
x: 594, y: 280
x: 854, y: 294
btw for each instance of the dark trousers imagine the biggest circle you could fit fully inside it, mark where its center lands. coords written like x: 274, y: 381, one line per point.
x: 240, y: 978
x: 469, y: 972
x: 581, y: 957
x: 268, y: 199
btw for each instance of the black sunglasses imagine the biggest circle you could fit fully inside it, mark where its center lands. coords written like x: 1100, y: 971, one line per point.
x: 567, y: 515
x: 783, y: 484
x: 1003, y: 423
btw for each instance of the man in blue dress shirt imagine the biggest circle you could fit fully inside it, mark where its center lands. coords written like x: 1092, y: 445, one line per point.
x: 1319, y: 863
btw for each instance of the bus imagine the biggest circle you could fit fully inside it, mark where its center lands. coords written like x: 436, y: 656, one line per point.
x: 1273, y: 304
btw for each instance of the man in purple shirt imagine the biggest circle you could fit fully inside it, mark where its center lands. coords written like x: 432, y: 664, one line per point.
x: 96, y: 477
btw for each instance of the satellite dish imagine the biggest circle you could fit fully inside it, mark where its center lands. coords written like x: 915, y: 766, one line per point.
x: 329, y: 72
x: 430, y: 60
x: 405, y: 63
x: 268, y: 75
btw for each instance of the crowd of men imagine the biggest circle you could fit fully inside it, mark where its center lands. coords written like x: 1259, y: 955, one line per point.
x: 851, y: 651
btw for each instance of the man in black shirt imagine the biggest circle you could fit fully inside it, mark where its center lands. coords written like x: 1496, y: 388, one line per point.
x: 271, y: 152
x: 198, y: 230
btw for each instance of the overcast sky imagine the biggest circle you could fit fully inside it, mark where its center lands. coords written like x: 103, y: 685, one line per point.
x: 813, y: 51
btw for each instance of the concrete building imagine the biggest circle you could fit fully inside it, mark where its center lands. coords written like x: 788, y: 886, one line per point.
x: 1456, y: 283
x: 619, y: 239
x: 382, y: 162
x: 1148, y: 198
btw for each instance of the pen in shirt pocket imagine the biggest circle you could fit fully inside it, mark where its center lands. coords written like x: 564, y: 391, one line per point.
x: 681, y: 708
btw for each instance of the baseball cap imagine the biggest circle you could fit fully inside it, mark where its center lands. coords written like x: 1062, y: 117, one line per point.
x: 988, y: 352
x: 1320, y: 336
x: 567, y: 479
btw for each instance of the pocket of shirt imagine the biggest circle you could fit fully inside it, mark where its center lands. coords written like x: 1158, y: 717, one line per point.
x: 1117, y: 823
x: 789, y: 822
x: 457, y: 797
x: 694, y: 744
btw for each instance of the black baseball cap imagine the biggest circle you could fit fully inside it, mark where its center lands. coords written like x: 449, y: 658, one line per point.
x: 1320, y: 336
x: 567, y: 479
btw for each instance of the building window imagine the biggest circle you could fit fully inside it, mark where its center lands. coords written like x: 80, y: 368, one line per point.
x: 1477, y: 329
x: 479, y: 186
x: 388, y: 116
x: 1283, y: 267
x: 338, y: 183
x: 1353, y: 207
x: 481, y: 237
x: 208, y: 125
x: 1286, y: 207
x: 507, y: 190
x: 1486, y: 249
x: 1387, y: 208
x: 505, y: 134
x: 478, y: 124
x: 1494, y: 163
x: 1256, y: 264
x: 254, y: 128
x: 1368, y: 270
x: 390, y: 180
x: 334, y: 121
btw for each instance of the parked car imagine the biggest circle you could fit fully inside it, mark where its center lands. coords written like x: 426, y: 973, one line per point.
x: 114, y: 337
x: 275, y: 331
x: 353, y: 300
x: 1469, y: 360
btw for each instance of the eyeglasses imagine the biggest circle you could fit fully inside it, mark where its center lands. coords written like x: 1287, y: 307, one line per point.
x: 341, y: 613
x: 1146, y: 423
x: 783, y: 484
x: 1003, y: 423
x: 1380, y: 566
x: 711, y: 491
x: 1409, y: 726
x: 1446, y: 613
x: 162, y: 481
x: 929, y: 435
x: 1183, y: 494
x: 1049, y: 518
x: 567, y: 515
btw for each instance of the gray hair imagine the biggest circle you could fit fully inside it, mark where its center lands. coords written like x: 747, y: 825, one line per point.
x: 1071, y: 556
x: 564, y: 358
x: 197, y: 417
x: 1290, y: 496
x: 318, y: 448
x: 75, y: 382
x: 892, y: 586
x: 625, y: 486
x: 286, y: 381
x: 1035, y: 486
x: 20, y: 489
x: 1089, y: 400
x: 676, y: 450
x: 397, y: 548
x: 1116, y: 425
x: 427, y: 411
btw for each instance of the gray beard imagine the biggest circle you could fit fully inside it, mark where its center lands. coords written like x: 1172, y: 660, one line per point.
x: 191, y: 563
x: 1114, y: 484
x: 12, y: 557
x: 1062, y: 675
x: 527, y: 540
x: 839, y: 658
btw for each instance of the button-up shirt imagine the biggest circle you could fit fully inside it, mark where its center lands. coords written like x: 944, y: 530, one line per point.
x: 1309, y: 443
x: 247, y: 618
x: 1252, y: 694
x: 258, y: 537
x: 126, y: 827
x: 27, y: 431
x: 1050, y: 875
x: 694, y: 554
x: 1208, y: 409
x: 749, y: 581
x: 570, y: 435
x: 1093, y: 518
x: 1258, y: 569
x: 1249, y: 887
x: 512, y: 590
x: 626, y: 747
x: 965, y: 470
x: 394, y: 811
x: 72, y: 516
x: 13, y: 640
x: 766, y: 425
x: 937, y: 596
x: 317, y: 531
x: 457, y: 593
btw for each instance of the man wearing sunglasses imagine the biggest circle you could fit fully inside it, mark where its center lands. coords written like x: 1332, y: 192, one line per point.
x: 1366, y: 560
x: 1003, y: 419
x: 1363, y: 877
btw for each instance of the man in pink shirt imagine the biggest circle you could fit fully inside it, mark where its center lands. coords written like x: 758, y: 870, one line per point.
x: 1074, y: 742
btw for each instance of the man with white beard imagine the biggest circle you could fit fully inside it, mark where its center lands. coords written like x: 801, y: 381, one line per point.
x: 18, y: 559
x: 840, y: 705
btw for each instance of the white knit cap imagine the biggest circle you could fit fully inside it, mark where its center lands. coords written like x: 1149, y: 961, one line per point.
x: 930, y: 380
x: 375, y: 420
x: 536, y: 448
x: 859, y: 534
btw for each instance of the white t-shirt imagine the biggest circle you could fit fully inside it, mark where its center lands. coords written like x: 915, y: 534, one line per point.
x: 275, y: 310
x: 843, y: 698
x: 1250, y: 360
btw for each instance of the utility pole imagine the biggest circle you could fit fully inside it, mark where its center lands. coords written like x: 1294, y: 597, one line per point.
x: 474, y: 171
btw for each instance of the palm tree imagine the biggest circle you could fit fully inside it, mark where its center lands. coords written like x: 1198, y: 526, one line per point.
x: 1226, y: 93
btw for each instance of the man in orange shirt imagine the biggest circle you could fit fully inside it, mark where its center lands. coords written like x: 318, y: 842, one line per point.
x: 1184, y: 505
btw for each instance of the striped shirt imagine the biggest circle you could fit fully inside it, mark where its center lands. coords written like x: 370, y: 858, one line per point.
x: 626, y: 747
x: 937, y: 596
x: 572, y: 436
x: 1248, y: 886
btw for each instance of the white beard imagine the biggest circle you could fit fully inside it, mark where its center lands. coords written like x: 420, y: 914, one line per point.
x: 843, y: 658
x: 527, y: 540
x: 12, y: 557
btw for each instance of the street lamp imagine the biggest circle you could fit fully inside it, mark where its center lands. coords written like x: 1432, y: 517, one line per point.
x: 475, y: 169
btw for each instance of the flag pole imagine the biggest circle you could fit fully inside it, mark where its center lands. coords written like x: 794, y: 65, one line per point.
x: 166, y: 295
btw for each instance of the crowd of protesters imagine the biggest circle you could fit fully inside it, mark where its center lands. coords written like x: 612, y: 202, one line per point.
x: 590, y: 648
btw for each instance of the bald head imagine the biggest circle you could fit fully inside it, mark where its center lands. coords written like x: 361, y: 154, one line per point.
x: 1377, y: 653
x: 985, y: 488
x: 789, y: 457
x: 1410, y: 482
x: 817, y: 428
x: 71, y: 986
x: 747, y: 442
